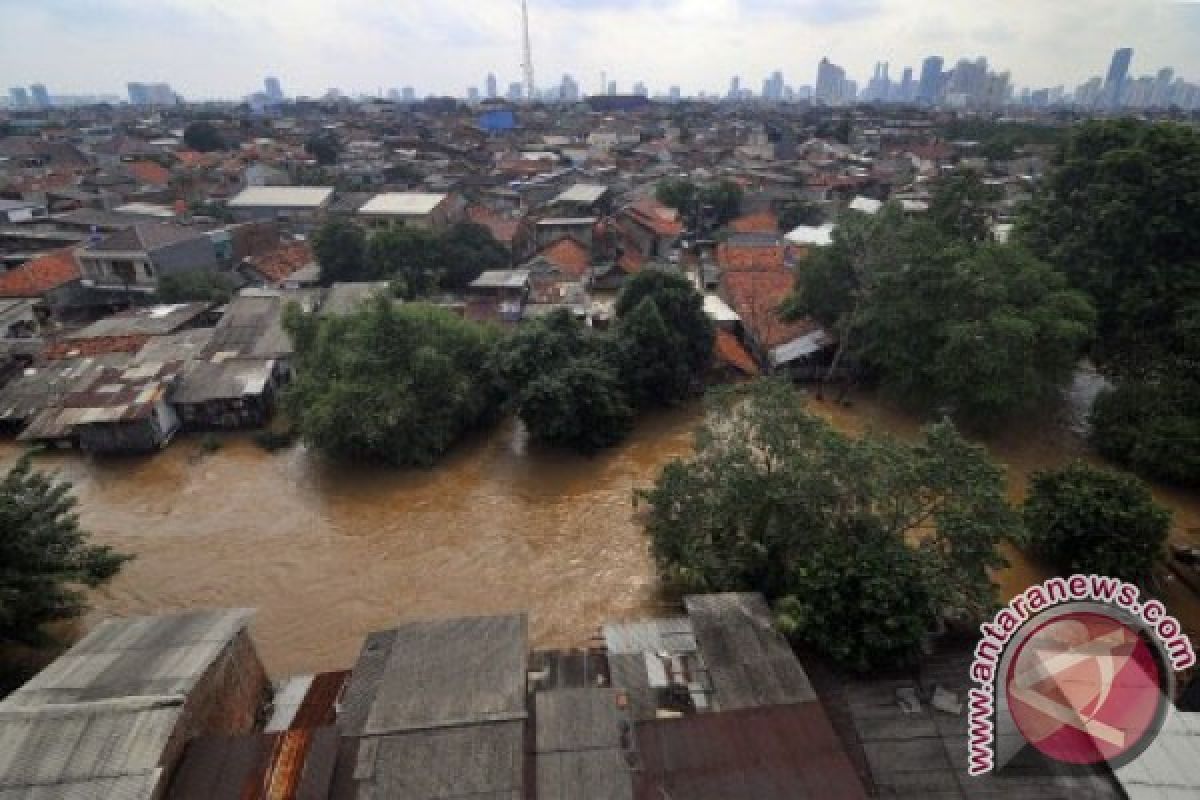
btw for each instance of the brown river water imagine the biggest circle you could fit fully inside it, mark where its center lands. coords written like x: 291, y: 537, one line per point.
x: 328, y: 554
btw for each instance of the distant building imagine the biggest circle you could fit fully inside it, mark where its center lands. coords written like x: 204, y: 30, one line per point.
x: 151, y: 94
x: 41, y: 97
x: 274, y: 91
x: 930, y: 86
x: 18, y: 97
x: 1118, y: 75
x: 412, y: 209
x: 492, y: 90
x: 296, y: 208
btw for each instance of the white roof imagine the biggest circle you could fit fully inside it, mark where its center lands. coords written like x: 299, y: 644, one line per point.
x: 915, y: 206
x: 585, y: 193
x: 282, y: 197
x: 565, y: 221
x: 802, y: 347
x: 866, y: 205
x: 820, y: 235
x: 408, y: 204
x: 1003, y: 232
x: 718, y: 310
x: 146, y: 209
x: 502, y: 279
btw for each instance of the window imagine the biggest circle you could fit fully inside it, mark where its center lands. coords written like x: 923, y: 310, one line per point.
x: 148, y: 269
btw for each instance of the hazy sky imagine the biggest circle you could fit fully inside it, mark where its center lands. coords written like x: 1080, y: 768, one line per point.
x: 223, y: 48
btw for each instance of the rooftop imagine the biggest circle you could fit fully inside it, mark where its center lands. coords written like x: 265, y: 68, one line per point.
x: 310, y: 197
x: 405, y: 204
x: 150, y: 321
x: 582, y: 194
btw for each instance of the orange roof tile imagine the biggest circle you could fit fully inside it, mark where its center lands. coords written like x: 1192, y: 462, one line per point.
x: 651, y: 214
x: 149, y: 173
x: 756, y: 297
x: 276, y: 265
x: 568, y: 254
x: 741, y: 258
x: 35, y: 278
x: 101, y: 345
x: 729, y: 352
x: 762, y: 222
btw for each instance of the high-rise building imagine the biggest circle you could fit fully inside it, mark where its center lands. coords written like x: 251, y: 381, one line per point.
x: 1118, y: 74
x: 151, y: 94
x: 515, y: 92
x: 929, y: 88
x: 492, y: 87
x: 274, y: 90
x: 773, y: 87
x: 18, y: 97
x: 832, y: 87
x: 569, y: 91
x: 735, y: 87
x: 908, y: 87
x: 612, y: 88
x: 408, y: 94
x: 675, y: 94
x: 473, y: 94
x: 41, y: 98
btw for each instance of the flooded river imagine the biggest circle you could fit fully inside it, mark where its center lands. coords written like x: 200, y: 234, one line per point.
x: 328, y: 554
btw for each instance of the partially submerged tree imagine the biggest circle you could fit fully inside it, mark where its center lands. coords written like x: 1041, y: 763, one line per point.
x: 395, y: 385
x: 1086, y: 520
x: 44, y: 555
x: 682, y: 310
x: 580, y: 405
x: 776, y: 501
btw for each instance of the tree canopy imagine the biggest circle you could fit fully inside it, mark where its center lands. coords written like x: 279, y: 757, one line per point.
x: 398, y: 385
x: 983, y: 330
x: 724, y: 198
x: 961, y: 207
x: 580, y: 405
x: 682, y: 310
x: 1087, y: 520
x: 324, y: 147
x: 832, y: 528
x: 796, y: 211
x: 44, y: 555
x: 1120, y: 214
x: 203, y: 137
x: 195, y: 286
x: 341, y: 250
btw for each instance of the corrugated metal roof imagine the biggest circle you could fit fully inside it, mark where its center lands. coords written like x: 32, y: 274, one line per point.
x: 282, y: 197
x: 750, y: 663
x: 1170, y: 766
x: 289, y: 765
x: 786, y: 752
x: 583, y: 193
x: 502, y: 279
x: 415, y: 204
x: 452, y: 672
x: 584, y: 743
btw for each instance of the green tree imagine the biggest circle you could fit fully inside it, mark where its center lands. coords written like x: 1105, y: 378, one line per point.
x: 324, y: 147
x: 682, y: 310
x: 340, y: 247
x: 538, y: 347
x: 725, y: 199
x: 203, y: 137
x: 1153, y: 426
x: 796, y: 211
x: 986, y: 331
x: 44, y: 556
x: 580, y: 405
x: 195, y: 286
x: 773, y: 498
x: 679, y: 194
x: 653, y: 358
x: 1087, y: 520
x: 961, y: 207
x: 394, y: 385
x: 467, y: 251
x: 409, y: 256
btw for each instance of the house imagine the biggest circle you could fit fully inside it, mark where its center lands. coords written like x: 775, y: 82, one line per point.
x: 274, y: 267
x: 425, y: 210
x: 298, y: 209
x: 756, y: 297
x: 551, y: 229
x: 51, y: 279
x: 499, y: 295
x: 571, y: 257
x: 13, y: 211
x: 752, y: 252
x: 17, y: 319
x: 866, y: 205
x: 584, y: 199
x: 134, y: 259
x: 41, y: 388
x: 263, y: 175
x: 130, y: 330
x: 650, y: 228
x: 112, y: 716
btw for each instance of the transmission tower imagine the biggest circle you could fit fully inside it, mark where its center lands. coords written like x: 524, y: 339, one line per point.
x: 527, y: 61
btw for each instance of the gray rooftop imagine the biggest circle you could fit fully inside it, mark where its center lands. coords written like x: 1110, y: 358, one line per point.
x: 1170, y: 766
x: 502, y: 279
x: 43, y: 387
x: 583, y: 194
x: 151, y: 321
x: 252, y: 326
x: 224, y: 380
x: 581, y: 741
x: 345, y: 298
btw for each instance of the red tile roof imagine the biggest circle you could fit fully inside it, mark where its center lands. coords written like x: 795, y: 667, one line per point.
x: 740, y: 258
x: 756, y: 296
x: 729, y: 352
x: 98, y: 346
x: 651, y: 214
x: 149, y: 173
x: 35, y: 278
x: 762, y: 222
x: 569, y: 255
x: 276, y: 265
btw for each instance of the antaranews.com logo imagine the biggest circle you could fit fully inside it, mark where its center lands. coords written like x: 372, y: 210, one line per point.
x: 1080, y: 668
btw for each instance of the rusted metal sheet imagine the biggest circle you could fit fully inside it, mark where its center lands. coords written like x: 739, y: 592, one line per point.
x: 292, y: 765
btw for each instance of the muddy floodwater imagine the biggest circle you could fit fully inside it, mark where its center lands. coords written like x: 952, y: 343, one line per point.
x: 328, y: 554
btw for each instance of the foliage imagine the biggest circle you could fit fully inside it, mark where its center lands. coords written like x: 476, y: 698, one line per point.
x: 340, y: 247
x: 467, y: 251
x: 540, y: 346
x: 688, y: 199
x: 796, y: 211
x: 652, y: 358
x: 773, y: 494
x: 44, y: 556
x: 1087, y: 520
x: 406, y: 256
x: 678, y: 194
x: 984, y: 330
x: 274, y: 441
x: 1153, y: 427
x: 725, y: 199
x: 999, y: 141
x: 324, y: 147
x: 396, y: 385
x: 682, y: 310
x: 203, y: 137
x: 580, y: 405
x: 961, y: 207
x: 195, y: 286
x: 1120, y: 214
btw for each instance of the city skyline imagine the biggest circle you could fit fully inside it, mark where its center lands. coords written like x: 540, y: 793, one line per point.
x: 210, y: 50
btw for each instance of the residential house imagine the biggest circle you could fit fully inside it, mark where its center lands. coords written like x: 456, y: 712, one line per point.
x: 298, y: 209
x: 650, y: 228
x: 552, y: 229
x: 42, y: 387
x: 14, y: 211
x: 584, y: 199
x: 756, y: 296
x: 134, y: 259
x: 130, y: 331
x: 499, y: 295
x: 274, y: 267
x: 424, y: 210
x: 52, y: 280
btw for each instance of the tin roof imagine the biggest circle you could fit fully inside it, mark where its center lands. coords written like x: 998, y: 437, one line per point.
x: 151, y: 321
x: 404, y: 204
x: 583, y: 194
x: 282, y: 197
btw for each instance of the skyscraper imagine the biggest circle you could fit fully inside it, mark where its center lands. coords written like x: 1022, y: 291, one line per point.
x: 612, y: 88
x: 18, y: 97
x: 151, y: 94
x: 41, y: 98
x: 832, y: 86
x: 930, y: 86
x: 274, y: 90
x: 640, y: 89
x: 1118, y: 74
x: 735, y: 87
x: 492, y: 87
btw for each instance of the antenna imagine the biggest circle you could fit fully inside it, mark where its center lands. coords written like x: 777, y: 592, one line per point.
x: 527, y: 62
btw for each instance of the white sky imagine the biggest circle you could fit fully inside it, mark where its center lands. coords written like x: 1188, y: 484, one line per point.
x: 223, y: 48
